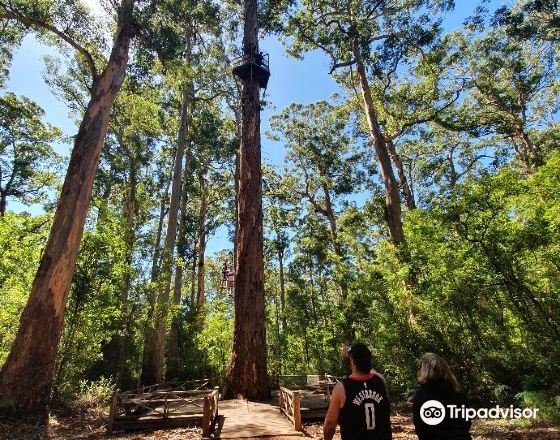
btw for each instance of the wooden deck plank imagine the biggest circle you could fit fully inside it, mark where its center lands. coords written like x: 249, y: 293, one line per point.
x: 243, y: 419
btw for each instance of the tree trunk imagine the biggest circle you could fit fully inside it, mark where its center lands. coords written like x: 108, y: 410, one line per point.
x: 151, y: 294
x: 329, y: 212
x: 130, y: 212
x: 236, y: 178
x: 403, y: 181
x: 247, y: 371
x: 393, y: 214
x: 201, y: 242
x: 531, y: 156
x: 3, y: 203
x: 154, y: 373
x: 26, y: 376
x: 312, y: 288
x: 154, y: 273
x: 280, y: 253
x: 193, y: 281
x: 172, y: 367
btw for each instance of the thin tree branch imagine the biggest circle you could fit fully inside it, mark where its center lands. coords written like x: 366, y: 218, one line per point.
x: 339, y: 65
x: 10, y: 14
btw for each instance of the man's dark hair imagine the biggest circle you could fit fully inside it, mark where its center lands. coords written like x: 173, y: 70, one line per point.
x: 361, y: 356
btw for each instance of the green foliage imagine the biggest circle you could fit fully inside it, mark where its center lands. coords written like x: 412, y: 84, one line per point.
x: 547, y: 404
x: 92, y: 312
x: 21, y: 239
x: 214, y: 341
x: 504, y: 395
x: 26, y: 154
x: 485, y: 292
x: 94, y: 394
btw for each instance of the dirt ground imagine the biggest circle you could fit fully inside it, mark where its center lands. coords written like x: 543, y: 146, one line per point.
x: 92, y: 426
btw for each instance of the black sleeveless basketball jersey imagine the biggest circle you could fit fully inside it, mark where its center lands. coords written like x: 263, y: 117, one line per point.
x: 366, y: 411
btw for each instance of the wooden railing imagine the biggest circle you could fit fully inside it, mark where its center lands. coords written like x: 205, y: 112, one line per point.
x: 210, y: 412
x: 153, y: 408
x: 290, y: 404
x: 188, y: 385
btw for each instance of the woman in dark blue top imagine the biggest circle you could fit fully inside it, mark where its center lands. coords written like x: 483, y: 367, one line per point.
x: 438, y: 389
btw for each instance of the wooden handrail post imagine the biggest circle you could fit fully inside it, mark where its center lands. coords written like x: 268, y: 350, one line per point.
x: 112, y: 412
x: 206, y: 417
x: 297, y: 411
x: 216, y: 399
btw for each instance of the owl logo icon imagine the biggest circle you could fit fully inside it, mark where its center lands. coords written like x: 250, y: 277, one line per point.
x: 432, y: 412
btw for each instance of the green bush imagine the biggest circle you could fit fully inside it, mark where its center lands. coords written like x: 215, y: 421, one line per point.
x: 94, y: 395
x: 504, y: 395
x: 549, y: 406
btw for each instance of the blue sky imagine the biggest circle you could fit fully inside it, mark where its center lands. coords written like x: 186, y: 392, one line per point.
x: 291, y: 81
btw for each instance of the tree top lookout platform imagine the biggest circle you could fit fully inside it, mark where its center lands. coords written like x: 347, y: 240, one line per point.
x: 253, y: 66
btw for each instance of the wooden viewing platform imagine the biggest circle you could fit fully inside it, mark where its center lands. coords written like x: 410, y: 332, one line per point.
x: 162, y: 406
x: 179, y: 405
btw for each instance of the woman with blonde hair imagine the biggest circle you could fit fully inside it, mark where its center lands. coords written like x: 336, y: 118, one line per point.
x: 438, y: 388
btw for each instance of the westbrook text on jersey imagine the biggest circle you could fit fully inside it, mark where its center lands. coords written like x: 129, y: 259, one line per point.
x: 367, y: 394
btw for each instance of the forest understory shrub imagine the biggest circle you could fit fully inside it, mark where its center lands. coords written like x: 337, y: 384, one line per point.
x: 91, y: 398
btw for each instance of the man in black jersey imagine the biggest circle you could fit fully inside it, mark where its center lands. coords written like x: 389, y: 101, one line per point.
x: 359, y: 403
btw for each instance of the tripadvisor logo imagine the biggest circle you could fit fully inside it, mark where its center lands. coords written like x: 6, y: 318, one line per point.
x: 433, y: 412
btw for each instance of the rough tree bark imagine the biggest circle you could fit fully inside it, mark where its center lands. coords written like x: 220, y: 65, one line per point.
x: 26, y: 376
x: 237, y: 113
x: 247, y: 371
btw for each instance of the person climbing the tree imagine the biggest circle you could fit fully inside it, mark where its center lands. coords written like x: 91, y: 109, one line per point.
x: 360, y: 403
x: 438, y: 384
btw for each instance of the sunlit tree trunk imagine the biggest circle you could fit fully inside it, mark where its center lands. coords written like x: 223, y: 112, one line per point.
x: 201, y: 241
x: 403, y: 181
x: 393, y: 214
x: 172, y: 366
x: 27, y: 374
x: 154, y: 373
x: 247, y: 371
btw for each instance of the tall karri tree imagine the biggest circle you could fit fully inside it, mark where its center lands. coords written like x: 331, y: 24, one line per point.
x: 247, y: 371
x: 26, y: 376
